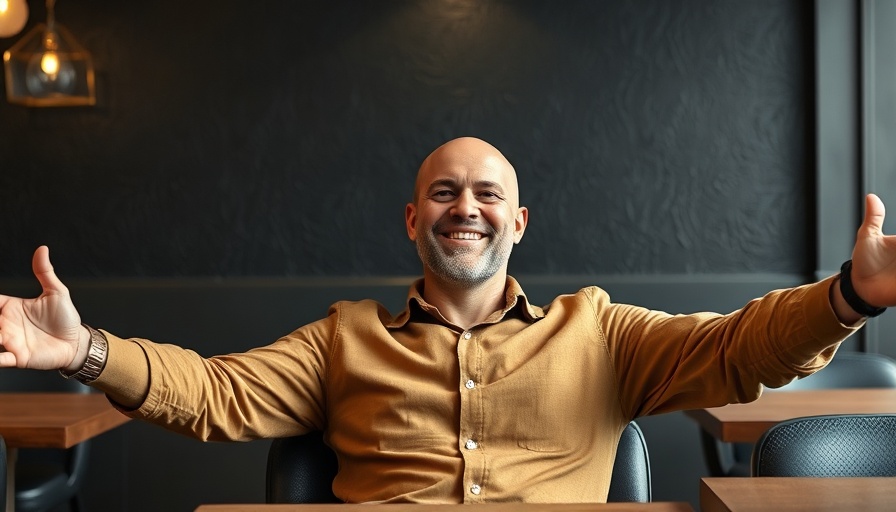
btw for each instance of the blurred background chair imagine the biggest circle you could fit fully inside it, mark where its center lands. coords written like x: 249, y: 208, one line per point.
x: 301, y: 469
x: 846, y: 370
x: 47, y: 479
x: 842, y: 445
x: 2, y: 475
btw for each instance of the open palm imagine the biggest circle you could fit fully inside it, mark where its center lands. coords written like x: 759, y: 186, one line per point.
x: 40, y: 333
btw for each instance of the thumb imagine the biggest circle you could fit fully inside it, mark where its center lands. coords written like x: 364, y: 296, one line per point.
x: 43, y: 271
x: 874, y: 215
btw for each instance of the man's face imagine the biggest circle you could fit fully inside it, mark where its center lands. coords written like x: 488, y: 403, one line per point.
x: 466, y: 217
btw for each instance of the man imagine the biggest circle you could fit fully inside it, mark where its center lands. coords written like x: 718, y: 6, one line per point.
x: 470, y: 394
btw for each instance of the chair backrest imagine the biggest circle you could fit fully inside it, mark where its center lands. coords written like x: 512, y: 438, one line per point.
x: 846, y: 370
x: 631, y: 471
x: 301, y: 469
x: 842, y: 445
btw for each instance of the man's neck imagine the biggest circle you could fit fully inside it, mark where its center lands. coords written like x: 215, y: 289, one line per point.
x: 465, y: 305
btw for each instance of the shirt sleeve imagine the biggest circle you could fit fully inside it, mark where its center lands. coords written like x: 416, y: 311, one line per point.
x: 673, y: 362
x: 266, y: 392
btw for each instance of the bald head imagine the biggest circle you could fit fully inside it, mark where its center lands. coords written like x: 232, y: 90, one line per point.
x: 468, y: 153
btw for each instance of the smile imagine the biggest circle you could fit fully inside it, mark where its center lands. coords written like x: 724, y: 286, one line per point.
x: 464, y: 236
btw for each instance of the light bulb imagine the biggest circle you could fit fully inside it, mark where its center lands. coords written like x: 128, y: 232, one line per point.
x: 49, y: 73
x: 13, y: 17
x: 49, y: 63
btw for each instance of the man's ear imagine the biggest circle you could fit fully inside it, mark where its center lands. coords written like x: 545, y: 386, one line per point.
x: 410, y: 220
x: 520, y: 223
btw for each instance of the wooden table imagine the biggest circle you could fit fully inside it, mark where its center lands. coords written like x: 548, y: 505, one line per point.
x: 745, y: 423
x: 791, y: 494
x: 51, y: 420
x: 488, y: 507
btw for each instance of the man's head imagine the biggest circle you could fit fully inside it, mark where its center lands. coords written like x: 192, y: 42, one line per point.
x: 466, y: 215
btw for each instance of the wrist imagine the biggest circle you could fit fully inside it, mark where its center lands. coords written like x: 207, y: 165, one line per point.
x: 81, y: 350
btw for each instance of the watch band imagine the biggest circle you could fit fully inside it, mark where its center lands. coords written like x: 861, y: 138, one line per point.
x: 852, y: 298
x: 97, y: 353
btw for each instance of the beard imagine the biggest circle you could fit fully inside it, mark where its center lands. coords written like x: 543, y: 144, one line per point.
x: 462, y: 264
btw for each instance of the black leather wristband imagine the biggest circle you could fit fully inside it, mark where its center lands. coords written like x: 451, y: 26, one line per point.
x: 851, y: 297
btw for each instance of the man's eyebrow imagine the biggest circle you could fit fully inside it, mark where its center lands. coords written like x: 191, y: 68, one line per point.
x: 450, y: 182
x: 489, y: 184
x: 443, y: 182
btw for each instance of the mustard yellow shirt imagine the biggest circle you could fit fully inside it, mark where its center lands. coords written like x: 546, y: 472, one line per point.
x: 526, y: 406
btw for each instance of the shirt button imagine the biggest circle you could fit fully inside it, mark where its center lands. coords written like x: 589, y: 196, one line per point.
x: 468, y: 335
x: 470, y: 384
x: 471, y: 445
x: 475, y: 489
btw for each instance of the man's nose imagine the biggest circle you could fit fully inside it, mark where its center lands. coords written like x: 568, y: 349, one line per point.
x: 465, y: 206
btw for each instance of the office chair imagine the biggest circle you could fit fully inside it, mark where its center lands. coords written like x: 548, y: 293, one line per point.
x: 845, y: 445
x: 846, y: 370
x: 301, y: 469
x: 46, y: 478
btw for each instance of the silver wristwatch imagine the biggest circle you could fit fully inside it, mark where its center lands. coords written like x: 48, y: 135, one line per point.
x: 97, y: 352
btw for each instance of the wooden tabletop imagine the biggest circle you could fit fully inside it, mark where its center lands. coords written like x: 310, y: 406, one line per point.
x: 55, y: 420
x: 488, y: 507
x: 747, y: 422
x: 789, y: 494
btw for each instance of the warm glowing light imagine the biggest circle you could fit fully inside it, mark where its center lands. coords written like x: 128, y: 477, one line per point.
x: 49, y: 63
x: 13, y: 17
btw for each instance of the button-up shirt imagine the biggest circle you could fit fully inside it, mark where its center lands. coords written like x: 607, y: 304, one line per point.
x: 528, y: 405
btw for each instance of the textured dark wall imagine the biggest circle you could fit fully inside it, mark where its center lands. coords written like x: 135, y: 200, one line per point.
x: 281, y: 138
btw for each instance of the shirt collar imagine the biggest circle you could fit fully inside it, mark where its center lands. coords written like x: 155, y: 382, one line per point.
x: 514, y: 299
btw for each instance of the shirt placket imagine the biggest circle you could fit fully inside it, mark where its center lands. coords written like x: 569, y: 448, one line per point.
x: 471, y: 418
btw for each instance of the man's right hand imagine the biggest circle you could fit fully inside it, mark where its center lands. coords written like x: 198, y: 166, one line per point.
x: 46, y: 332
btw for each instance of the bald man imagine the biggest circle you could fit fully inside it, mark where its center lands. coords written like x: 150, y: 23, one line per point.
x: 470, y: 394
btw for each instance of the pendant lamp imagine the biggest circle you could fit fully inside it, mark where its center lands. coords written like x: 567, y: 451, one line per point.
x: 48, y: 68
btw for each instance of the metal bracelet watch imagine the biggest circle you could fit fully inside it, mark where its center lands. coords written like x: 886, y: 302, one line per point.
x: 851, y: 297
x: 97, y: 352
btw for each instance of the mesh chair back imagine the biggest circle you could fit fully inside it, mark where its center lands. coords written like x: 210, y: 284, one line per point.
x: 842, y: 445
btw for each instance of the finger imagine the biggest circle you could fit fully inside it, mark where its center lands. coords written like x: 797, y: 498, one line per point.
x: 44, y: 273
x: 874, y: 214
x: 7, y: 360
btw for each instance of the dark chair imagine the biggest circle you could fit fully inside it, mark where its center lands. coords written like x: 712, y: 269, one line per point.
x: 301, y: 469
x: 846, y: 370
x: 841, y: 445
x: 2, y: 475
x: 47, y: 478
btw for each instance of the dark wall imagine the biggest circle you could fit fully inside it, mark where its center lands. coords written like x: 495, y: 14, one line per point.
x: 282, y: 138
x: 662, y: 147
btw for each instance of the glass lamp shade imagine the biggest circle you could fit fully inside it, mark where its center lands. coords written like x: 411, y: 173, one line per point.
x: 13, y: 16
x: 48, y: 68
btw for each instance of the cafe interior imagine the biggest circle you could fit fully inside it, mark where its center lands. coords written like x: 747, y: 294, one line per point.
x: 215, y: 174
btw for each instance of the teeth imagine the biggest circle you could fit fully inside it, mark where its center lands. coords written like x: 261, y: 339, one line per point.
x: 465, y: 236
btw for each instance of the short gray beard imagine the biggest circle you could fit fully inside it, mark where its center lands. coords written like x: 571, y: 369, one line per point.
x: 452, y: 267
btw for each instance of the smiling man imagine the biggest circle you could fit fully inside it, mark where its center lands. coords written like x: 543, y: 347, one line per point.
x: 470, y: 394
x: 465, y: 219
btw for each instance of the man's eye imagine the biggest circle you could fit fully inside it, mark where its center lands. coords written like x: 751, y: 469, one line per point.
x: 442, y: 195
x: 488, y: 196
